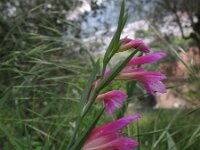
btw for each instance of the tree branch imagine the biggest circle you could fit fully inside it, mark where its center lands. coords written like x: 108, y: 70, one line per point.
x: 174, y: 10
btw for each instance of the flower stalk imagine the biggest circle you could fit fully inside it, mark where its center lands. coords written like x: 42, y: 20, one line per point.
x: 112, y: 100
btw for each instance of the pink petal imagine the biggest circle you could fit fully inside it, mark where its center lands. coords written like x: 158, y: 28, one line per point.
x: 112, y: 126
x: 118, y: 144
x: 141, y: 46
x: 153, y: 87
x: 94, y: 142
x: 113, y: 100
x: 112, y: 105
x: 106, y: 73
x: 150, y: 75
x: 126, y: 41
x: 130, y: 44
x: 150, y: 79
x: 152, y: 83
x: 141, y: 74
x: 146, y: 59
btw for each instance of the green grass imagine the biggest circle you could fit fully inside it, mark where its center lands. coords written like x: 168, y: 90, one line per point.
x: 40, y: 85
x: 169, y: 129
x: 157, y: 129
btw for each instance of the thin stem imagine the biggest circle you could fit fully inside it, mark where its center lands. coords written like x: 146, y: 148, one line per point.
x: 138, y: 133
x: 75, y: 132
x: 103, y: 70
x: 86, y: 110
x: 91, y: 102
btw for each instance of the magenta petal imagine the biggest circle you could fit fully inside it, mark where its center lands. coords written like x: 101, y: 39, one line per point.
x: 146, y: 59
x: 106, y: 73
x: 111, y: 106
x: 136, y: 44
x: 152, y: 75
x: 126, y: 41
x: 94, y: 142
x: 139, y: 44
x: 152, y: 82
x: 143, y: 48
x: 157, y: 86
x: 150, y: 79
x: 141, y: 74
x: 118, y: 144
x: 107, y: 137
x: 112, y: 126
x: 112, y: 100
x: 123, y: 144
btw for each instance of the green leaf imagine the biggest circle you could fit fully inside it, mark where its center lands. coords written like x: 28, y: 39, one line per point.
x: 116, y: 38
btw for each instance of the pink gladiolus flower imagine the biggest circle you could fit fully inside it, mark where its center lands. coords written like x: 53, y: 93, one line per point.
x: 136, y: 44
x: 112, y: 100
x: 146, y: 59
x: 107, y: 137
x: 150, y: 79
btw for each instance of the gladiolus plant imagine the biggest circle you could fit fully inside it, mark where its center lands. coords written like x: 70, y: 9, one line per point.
x: 108, y: 137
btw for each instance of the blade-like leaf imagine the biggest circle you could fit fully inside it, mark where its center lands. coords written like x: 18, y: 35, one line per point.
x: 170, y: 141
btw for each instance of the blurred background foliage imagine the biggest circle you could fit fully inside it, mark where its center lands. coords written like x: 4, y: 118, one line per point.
x: 40, y: 71
x: 45, y: 59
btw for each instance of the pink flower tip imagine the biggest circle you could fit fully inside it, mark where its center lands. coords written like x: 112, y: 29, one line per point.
x: 106, y: 73
x: 150, y: 58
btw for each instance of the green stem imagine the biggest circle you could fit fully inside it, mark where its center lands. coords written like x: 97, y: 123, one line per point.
x: 91, y: 102
x: 103, y: 70
x: 138, y: 133
x: 86, y: 110
x: 75, y: 132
